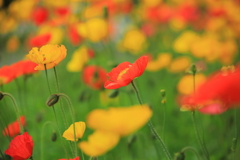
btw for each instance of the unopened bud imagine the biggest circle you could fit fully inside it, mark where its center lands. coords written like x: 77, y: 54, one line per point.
x: 1, y: 95
x: 179, y: 156
x: 234, y: 144
x: 163, y: 92
x: 114, y: 93
x: 53, y: 99
x: 54, y: 136
x: 105, y: 12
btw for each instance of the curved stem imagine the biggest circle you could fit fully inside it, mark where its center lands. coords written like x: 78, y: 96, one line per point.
x: 73, y: 118
x: 193, y: 150
x: 44, y: 125
x: 200, y: 141
x: 152, y: 127
x: 16, y: 110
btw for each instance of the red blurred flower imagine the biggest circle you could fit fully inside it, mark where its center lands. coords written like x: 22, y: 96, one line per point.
x: 21, y: 147
x: 74, y: 37
x: 7, y: 74
x: 24, y: 67
x: 62, y: 11
x: 40, y: 15
x: 161, y: 13
x: 77, y: 158
x: 220, y: 92
x: 94, y: 76
x: 13, y: 128
x: 40, y: 40
x: 187, y: 12
x: 125, y: 72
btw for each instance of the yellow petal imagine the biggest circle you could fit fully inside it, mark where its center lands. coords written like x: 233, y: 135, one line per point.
x: 99, y: 143
x: 119, y: 120
x: 79, y: 128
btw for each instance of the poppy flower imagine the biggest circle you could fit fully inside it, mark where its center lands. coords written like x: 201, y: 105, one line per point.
x: 39, y: 40
x: 119, y: 120
x: 221, y: 91
x: 21, y: 147
x: 24, y: 67
x: 49, y: 55
x: 125, y: 73
x: 77, y: 158
x: 94, y: 76
x: 7, y: 74
x: 79, y: 129
x: 40, y: 15
x: 99, y: 143
x: 13, y: 128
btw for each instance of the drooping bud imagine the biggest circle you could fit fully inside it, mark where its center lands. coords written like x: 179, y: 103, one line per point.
x: 163, y: 93
x: 114, y: 93
x: 54, y: 136
x: 179, y: 156
x: 105, y: 12
x: 53, y: 99
x: 1, y: 95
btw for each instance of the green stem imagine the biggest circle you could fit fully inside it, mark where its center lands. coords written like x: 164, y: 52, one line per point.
x: 200, y: 141
x: 164, y: 118
x: 16, y: 110
x: 3, y: 156
x: 42, y: 132
x: 152, y: 127
x: 49, y: 88
x: 73, y: 118
x: 193, y: 150
x: 4, y: 125
x: 235, y: 138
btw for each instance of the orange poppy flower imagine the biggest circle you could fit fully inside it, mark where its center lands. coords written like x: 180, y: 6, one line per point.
x: 23, y: 67
x: 125, y: 73
x: 7, y: 74
x: 13, y: 128
x: 48, y: 55
x: 40, y: 40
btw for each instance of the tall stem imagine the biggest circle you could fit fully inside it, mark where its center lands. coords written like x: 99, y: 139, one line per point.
x: 16, y: 110
x: 73, y: 118
x: 151, y: 125
x: 235, y: 138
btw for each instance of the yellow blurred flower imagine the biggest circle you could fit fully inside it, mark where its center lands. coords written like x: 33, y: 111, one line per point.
x: 12, y: 44
x: 179, y: 64
x: 58, y: 3
x: 56, y: 33
x: 185, y: 85
x: 7, y: 24
x: 92, y: 12
x: 99, y: 143
x: 183, y: 43
x: 163, y: 60
x: 94, y: 29
x: 79, y: 59
x: 134, y: 41
x: 49, y: 55
x: 228, y: 51
x: 151, y: 3
x: 119, y: 120
x: 79, y: 130
x: 177, y: 24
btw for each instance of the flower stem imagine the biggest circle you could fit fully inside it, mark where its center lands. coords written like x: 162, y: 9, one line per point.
x: 193, y: 150
x: 16, y: 110
x: 73, y: 118
x: 200, y: 141
x: 151, y: 125
x: 235, y: 138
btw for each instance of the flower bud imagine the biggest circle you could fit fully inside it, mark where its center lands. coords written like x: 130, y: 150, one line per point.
x: 114, y: 93
x: 1, y: 95
x: 179, y: 156
x: 53, y: 99
x: 234, y: 144
x: 54, y: 136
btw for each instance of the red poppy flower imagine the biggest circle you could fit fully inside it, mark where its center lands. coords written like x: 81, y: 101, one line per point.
x: 24, y: 67
x: 21, y: 147
x: 13, y: 128
x: 125, y: 72
x: 221, y: 91
x: 7, y: 74
x: 74, y: 37
x: 40, y: 40
x: 77, y: 158
x: 94, y: 76
x: 40, y: 15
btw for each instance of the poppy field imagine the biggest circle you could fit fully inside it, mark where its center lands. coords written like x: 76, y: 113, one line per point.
x: 119, y: 79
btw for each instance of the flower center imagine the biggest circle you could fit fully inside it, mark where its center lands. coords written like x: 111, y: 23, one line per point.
x: 122, y: 73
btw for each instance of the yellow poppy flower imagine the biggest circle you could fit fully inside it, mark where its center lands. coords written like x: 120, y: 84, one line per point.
x: 163, y: 60
x: 185, y: 85
x: 179, y: 64
x: 79, y: 128
x: 49, y: 55
x: 119, y: 120
x: 134, y: 41
x: 79, y: 59
x: 99, y: 143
